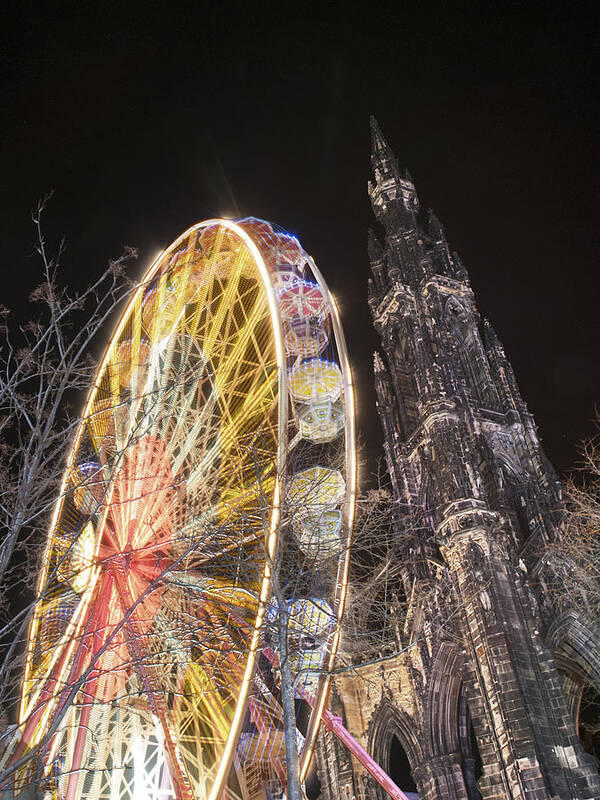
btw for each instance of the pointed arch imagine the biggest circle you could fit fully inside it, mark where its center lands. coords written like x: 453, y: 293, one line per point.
x: 448, y: 730
x: 388, y: 722
x: 441, y: 712
x: 510, y: 465
x: 517, y: 490
x: 576, y: 647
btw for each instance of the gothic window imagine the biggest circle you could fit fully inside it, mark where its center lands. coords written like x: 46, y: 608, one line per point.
x: 516, y: 498
x: 470, y: 359
x: 406, y: 388
x: 404, y: 372
x: 521, y: 513
x: 427, y: 502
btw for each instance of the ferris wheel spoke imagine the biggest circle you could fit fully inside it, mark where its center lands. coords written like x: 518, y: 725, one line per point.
x: 176, y: 419
x: 188, y: 428
x: 57, y: 686
x: 232, y: 428
x: 224, y: 307
x: 46, y: 700
x: 73, y: 790
x: 184, y: 413
x: 186, y: 446
x: 245, y: 338
x: 157, y: 702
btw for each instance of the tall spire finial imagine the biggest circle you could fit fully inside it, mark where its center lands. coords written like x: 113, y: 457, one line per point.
x: 377, y: 362
x: 389, y: 188
x: 383, y: 159
x: 378, y: 143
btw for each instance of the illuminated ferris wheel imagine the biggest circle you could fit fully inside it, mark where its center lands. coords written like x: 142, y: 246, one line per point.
x: 216, y: 454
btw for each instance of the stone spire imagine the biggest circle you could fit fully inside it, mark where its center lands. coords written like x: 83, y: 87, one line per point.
x: 383, y: 160
x: 462, y: 449
x: 393, y: 195
x: 377, y: 362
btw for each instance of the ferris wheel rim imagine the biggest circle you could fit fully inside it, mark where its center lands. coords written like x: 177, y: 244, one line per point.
x: 349, y: 510
x: 276, y: 328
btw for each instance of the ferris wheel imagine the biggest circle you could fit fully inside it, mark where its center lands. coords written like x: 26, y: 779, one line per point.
x: 215, y: 460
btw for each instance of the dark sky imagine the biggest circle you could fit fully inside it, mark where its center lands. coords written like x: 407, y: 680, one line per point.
x: 145, y: 119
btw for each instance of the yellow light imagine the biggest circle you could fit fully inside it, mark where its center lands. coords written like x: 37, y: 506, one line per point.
x: 83, y: 558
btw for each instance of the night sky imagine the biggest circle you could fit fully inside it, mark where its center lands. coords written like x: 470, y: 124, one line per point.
x: 145, y: 119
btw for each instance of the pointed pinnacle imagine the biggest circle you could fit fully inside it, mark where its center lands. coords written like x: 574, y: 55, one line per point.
x: 459, y: 267
x: 378, y: 143
x: 491, y: 336
x: 435, y: 227
x: 377, y: 362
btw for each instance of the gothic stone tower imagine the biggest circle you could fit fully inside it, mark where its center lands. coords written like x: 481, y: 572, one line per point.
x: 463, y: 453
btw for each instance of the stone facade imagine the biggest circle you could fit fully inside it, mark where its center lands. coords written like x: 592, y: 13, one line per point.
x: 484, y: 690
